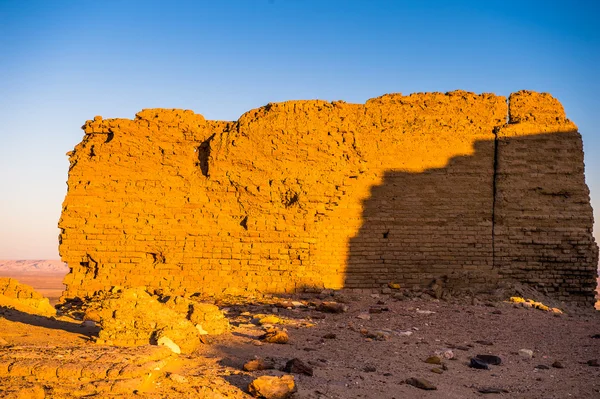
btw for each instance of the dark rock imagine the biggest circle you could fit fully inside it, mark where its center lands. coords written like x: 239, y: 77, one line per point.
x: 332, y: 307
x: 369, y: 369
x: 558, y: 365
x: 486, y: 343
x: 330, y: 336
x: 595, y: 336
x: 421, y: 383
x: 297, y: 366
x: 490, y: 359
x: 478, y: 364
x: 542, y: 367
x: 593, y: 363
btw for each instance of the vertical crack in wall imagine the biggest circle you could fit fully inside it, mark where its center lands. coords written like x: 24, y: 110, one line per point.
x: 494, y: 194
x: 495, y: 183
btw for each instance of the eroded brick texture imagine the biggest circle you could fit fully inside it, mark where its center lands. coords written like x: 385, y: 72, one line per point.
x: 543, y: 229
x: 318, y: 194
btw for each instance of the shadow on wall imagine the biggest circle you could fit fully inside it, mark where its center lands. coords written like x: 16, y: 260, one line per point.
x: 517, y: 208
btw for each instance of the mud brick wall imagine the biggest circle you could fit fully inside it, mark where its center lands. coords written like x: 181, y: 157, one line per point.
x: 329, y: 194
x: 543, y: 218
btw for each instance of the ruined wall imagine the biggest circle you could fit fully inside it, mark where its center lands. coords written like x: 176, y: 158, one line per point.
x: 319, y: 194
x: 543, y: 214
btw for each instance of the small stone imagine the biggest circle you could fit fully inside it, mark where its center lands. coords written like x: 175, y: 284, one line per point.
x: 297, y: 366
x: 433, y: 360
x: 526, y: 353
x: 490, y: 359
x: 421, y: 383
x: 201, y: 330
x: 593, y: 363
x: 486, y: 343
x: 268, y: 387
x: 478, y: 364
x: 542, y: 367
x: 270, y: 319
x: 168, y: 342
x: 437, y: 370
x: 425, y: 312
x: 364, y: 316
x: 378, y: 335
x: 180, y: 379
x: 330, y: 336
x: 274, y: 336
x: 375, y: 310
x: 558, y: 365
x: 332, y: 307
x: 445, y: 353
x: 258, y: 364
x: 394, y: 286
x: 595, y: 336
x: 369, y: 369
x: 492, y: 390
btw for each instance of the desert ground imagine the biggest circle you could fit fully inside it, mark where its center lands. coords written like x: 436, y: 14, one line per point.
x: 371, y: 350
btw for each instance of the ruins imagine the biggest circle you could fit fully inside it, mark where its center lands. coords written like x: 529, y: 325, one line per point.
x: 465, y: 188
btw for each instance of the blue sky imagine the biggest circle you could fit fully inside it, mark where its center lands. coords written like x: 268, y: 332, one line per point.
x: 62, y: 62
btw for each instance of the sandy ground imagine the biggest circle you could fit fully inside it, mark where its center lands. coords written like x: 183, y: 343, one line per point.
x: 351, y: 357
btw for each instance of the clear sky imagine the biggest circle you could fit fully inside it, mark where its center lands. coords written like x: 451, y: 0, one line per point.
x: 63, y: 62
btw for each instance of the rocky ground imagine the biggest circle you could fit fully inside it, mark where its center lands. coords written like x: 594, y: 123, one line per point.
x: 378, y: 346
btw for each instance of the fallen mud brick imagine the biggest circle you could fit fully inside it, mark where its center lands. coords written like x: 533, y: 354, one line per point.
x: 275, y: 336
x: 258, y: 364
x: 268, y: 387
x: 332, y: 307
x: 421, y: 383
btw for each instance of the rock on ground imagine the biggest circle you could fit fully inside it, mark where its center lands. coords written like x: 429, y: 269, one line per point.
x: 268, y: 387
